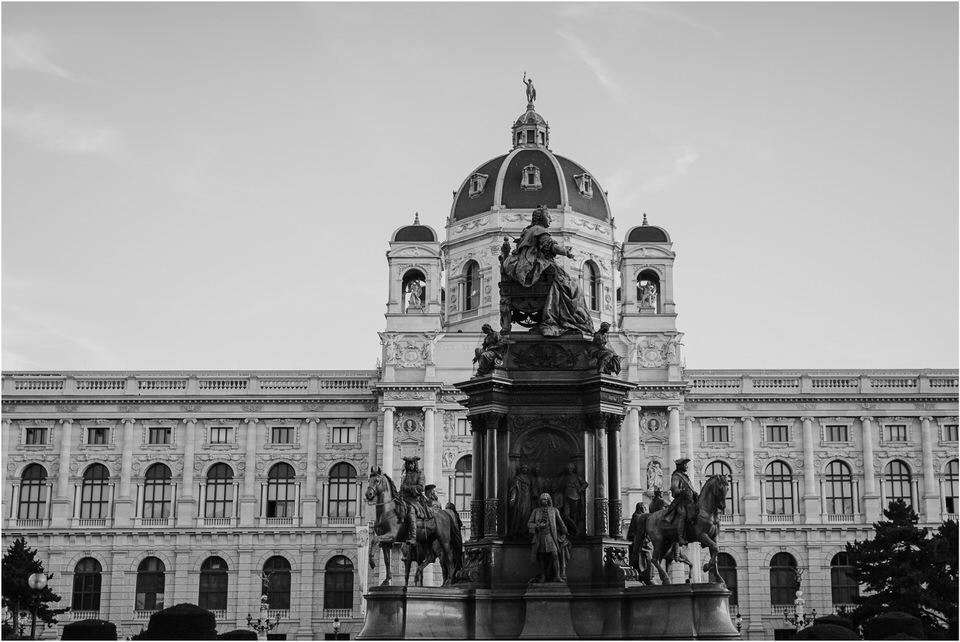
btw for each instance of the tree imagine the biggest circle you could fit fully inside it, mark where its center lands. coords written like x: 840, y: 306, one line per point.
x: 905, y: 569
x: 19, y: 563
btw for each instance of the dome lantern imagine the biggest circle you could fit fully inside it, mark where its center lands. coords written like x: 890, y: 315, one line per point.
x: 530, y: 130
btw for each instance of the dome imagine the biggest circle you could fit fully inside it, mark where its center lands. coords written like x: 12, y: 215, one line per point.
x: 647, y: 233
x: 415, y: 233
x: 529, y: 176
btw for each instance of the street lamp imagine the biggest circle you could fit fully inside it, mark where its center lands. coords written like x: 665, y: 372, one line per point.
x: 263, y: 624
x: 739, y: 621
x: 37, y: 582
x: 336, y: 628
x: 798, y: 618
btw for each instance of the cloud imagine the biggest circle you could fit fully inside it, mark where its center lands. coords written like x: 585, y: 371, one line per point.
x: 593, y: 63
x: 30, y: 52
x: 681, y: 164
x: 60, y: 134
x: 660, y: 11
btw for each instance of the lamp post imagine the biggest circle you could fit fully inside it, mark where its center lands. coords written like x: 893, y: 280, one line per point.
x: 263, y: 624
x: 37, y: 582
x: 739, y: 622
x: 336, y: 628
x: 798, y: 619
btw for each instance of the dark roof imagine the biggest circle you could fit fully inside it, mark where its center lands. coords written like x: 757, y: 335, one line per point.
x: 648, y: 234
x: 414, y: 234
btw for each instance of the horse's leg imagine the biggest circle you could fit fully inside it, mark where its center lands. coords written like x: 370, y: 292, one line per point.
x: 658, y: 555
x: 386, y: 548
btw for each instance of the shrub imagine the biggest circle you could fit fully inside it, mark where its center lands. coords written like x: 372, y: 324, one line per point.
x: 892, y: 625
x: 826, y: 632
x: 90, y: 630
x: 238, y: 634
x: 836, y: 620
x: 182, y: 622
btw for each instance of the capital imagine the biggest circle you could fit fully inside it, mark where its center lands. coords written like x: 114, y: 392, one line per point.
x: 251, y: 420
x: 866, y: 419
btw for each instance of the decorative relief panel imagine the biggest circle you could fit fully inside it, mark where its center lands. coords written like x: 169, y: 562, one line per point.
x: 298, y: 461
x: 202, y: 462
x: 596, y: 226
x: 50, y: 462
x: 174, y: 465
x: 409, y: 424
x: 653, y: 423
x: 471, y: 225
x: 409, y: 351
x: 325, y: 461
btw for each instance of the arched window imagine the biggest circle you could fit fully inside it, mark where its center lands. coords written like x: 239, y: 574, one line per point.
x: 779, y: 490
x: 33, y: 493
x: 150, y: 585
x: 951, y: 476
x: 276, y: 582
x: 727, y: 568
x: 462, y: 490
x: 157, y: 492
x: 95, y: 493
x: 219, y: 497
x: 591, y: 285
x: 648, y: 290
x: 281, y: 491
x: 842, y: 585
x: 897, y: 482
x: 471, y: 286
x: 720, y: 468
x: 86, y: 585
x: 343, y: 491
x: 838, y: 489
x: 213, y: 584
x: 338, y: 584
x: 783, y: 579
x: 414, y: 291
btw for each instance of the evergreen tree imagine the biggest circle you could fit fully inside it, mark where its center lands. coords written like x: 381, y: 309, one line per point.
x: 19, y: 562
x: 905, y: 570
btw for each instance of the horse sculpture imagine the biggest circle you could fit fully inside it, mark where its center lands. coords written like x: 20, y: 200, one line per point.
x: 705, y: 529
x: 390, y: 528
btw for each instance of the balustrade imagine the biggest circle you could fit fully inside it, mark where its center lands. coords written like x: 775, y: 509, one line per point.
x: 76, y: 615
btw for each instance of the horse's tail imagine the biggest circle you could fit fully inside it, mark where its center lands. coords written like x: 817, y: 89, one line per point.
x: 456, y: 537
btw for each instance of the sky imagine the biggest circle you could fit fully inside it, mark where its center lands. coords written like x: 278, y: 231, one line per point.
x: 213, y: 186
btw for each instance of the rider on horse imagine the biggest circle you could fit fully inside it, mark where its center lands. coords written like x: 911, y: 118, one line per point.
x: 412, y: 491
x: 683, y: 496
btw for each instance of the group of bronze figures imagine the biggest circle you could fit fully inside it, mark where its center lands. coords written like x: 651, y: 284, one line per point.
x: 537, y: 293
x: 548, y: 510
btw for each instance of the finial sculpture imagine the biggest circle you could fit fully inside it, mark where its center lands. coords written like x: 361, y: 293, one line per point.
x: 531, y: 91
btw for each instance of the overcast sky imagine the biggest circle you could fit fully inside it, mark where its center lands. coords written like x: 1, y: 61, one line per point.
x: 213, y: 186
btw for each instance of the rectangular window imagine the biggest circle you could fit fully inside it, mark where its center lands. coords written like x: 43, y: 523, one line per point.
x: 778, y: 433
x: 718, y: 434
x: 159, y: 434
x: 837, y: 433
x: 221, y: 434
x: 281, y: 434
x: 98, y: 436
x: 344, y: 434
x: 35, y: 436
x: 895, y: 433
x: 463, y: 427
x: 950, y: 432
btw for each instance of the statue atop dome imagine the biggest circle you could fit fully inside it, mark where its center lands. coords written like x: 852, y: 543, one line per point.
x: 531, y: 91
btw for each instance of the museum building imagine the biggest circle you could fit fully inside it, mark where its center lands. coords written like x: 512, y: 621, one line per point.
x: 142, y: 490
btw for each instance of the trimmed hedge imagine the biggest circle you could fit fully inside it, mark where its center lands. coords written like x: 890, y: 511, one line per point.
x: 895, y: 625
x: 238, y: 634
x: 836, y: 620
x: 90, y: 630
x: 826, y: 632
x: 182, y: 622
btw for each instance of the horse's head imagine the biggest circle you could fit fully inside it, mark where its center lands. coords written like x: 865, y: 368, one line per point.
x: 715, y: 492
x: 377, y: 486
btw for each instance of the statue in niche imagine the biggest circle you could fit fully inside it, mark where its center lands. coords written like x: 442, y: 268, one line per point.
x: 538, y: 485
x: 414, y: 294
x: 521, y: 499
x: 670, y: 349
x: 549, y: 535
x: 608, y: 361
x: 654, y: 476
x: 648, y: 295
x: 570, y: 485
x: 533, y: 261
x: 490, y: 351
x: 531, y: 91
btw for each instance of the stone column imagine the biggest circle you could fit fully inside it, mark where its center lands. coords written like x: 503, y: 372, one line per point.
x: 61, y: 503
x: 931, y: 491
x: 674, y: 450
x: 871, y: 498
x: 811, y: 499
x: 248, y: 501
x: 631, y: 460
x: 387, y: 455
x: 188, y: 510
x: 310, y: 491
x: 751, y: 498
x: 478, y: 466
x: 616, y: 499
x: 305, y: 595
x: 491, y: 478
x: 601, y: 512
x: 430, y: 446
x: 123, y: 510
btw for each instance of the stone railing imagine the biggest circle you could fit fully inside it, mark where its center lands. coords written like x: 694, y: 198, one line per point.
x: 718, y: 382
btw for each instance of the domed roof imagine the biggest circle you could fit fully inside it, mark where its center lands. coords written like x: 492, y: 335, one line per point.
x: 415, y: 233
x: 528, y: 176
x: 646, y: 233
